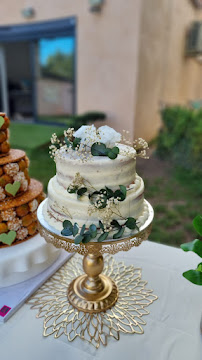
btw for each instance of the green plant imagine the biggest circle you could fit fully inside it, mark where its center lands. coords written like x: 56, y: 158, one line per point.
x: 195, y: 276
x: 99, y: 149
x: 86, y: 234
x: 87, y: 117
x: 179, y: 140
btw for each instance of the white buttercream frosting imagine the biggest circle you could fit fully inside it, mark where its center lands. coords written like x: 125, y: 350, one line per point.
x: 63, y: 205
x: 99, y: 171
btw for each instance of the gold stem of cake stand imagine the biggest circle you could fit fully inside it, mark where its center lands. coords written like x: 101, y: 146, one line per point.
x: 92, y: 292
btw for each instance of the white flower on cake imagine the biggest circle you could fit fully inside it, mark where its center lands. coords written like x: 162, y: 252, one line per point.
x: 109, y: 136
x: 104, y: 134
x: 88, y: 136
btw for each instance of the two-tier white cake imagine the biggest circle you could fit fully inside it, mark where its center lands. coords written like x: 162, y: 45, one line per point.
x: 96, y: 187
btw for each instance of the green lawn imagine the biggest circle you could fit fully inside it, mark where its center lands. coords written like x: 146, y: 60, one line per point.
x: 31, y: 136
x: 35, y: 140
x: 176, y: 199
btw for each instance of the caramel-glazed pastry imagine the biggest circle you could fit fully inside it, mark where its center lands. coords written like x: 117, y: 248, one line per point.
x: 4, y: 134
x: 20, y: 196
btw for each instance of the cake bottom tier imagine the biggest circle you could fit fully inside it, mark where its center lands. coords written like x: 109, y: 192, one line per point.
x: 26, y: 260
x: 55, y: 226
x: 62, y: 206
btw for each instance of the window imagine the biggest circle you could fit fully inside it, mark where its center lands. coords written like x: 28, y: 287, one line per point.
x: 40, y: 70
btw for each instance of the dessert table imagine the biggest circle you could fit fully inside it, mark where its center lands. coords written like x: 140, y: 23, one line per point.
x: 173, y: 325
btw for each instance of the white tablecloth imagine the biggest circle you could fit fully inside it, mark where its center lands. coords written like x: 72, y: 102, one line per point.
x: 173, y: 326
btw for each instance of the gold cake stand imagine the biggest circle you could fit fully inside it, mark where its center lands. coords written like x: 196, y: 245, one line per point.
x: 93, y: 292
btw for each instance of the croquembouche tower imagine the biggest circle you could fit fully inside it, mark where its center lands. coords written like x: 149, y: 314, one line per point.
x: 19, y: 195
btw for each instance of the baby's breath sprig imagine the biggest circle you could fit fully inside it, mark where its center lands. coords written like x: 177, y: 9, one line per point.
x: 67, y: 145
x: 106, y: 214
x: 55, y: 145
x: 54, y: 139
x: 69, y: 134
x: 141, y: 146
x: 77, y: 186
x: 126, y: 138
x: 62, y: 209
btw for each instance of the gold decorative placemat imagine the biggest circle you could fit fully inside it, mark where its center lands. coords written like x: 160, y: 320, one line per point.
x: 126, y: 316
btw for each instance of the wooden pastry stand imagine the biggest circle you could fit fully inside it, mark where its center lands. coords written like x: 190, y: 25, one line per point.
x: 93, y: 292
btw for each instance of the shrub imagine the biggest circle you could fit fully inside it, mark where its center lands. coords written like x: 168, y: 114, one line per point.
x: 180, y: 138
x: 87, y: 117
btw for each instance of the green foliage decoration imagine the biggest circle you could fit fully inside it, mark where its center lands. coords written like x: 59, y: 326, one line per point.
x: 195, y: 276
x: 179, y: 140
x: 100, y: 149
x: 75, y: 142
x: 100, y: 197
x: 76, y: 190
x: 86, y: 234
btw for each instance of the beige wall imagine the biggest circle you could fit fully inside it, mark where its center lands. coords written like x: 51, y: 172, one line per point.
x: 165, y: 75
x: 107, y: 52
x: 129, y: 38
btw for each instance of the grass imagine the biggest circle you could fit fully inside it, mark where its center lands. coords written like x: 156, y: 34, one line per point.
x: 31, y: 136
x: 176, y: 201
x: 35, y: 140
x: 42, y: 167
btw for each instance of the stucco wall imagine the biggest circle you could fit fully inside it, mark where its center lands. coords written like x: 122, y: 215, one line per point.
x: 107, y: 52
x: 165, y: 74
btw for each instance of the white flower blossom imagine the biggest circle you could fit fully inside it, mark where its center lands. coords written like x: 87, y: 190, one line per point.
x: 88, y: 136
x: 108, y: 136
x: 104, y: 134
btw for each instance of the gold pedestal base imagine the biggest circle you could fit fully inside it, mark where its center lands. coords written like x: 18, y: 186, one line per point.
x: 92, y: 292
x: 127, y: 316
x: 84, y: 299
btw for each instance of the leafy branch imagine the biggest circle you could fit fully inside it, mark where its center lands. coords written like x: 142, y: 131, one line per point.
x: 74, y: 143
x: 76, y: 190
x: 130, y: 223
x: 100, y: 149
x: 86, y: 234
x: 100, y: 197
x: 195, y: 276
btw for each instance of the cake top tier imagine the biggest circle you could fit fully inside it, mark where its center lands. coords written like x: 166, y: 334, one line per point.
x: 4, y: 134
x: 97, y: 171
x: 88, y: 142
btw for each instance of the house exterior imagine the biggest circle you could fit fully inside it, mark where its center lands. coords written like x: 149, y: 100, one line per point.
x: 165, y: 74
x: 128, y: 59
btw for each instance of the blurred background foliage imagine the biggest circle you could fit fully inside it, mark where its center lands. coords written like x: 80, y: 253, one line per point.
x: 173, y: 175
x: 180, y: 138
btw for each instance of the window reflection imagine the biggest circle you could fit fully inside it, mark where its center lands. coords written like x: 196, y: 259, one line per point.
x: 55, y: 78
